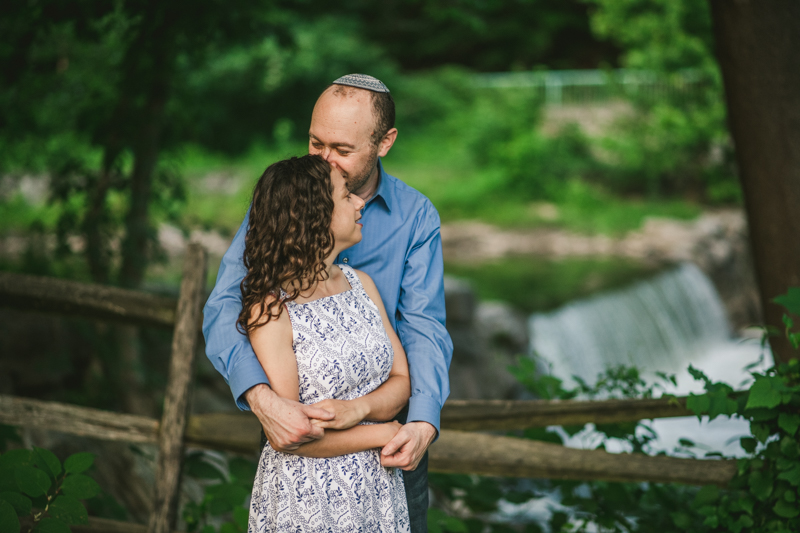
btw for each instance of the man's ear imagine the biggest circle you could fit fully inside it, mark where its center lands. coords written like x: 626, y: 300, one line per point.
x: 387, y: 142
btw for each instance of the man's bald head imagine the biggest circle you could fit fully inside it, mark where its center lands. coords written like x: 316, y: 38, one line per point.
x: 383, y: 110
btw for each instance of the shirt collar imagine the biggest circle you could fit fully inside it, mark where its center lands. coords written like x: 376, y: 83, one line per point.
x: 385, y: 190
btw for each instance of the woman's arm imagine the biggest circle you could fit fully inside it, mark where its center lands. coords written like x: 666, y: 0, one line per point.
x: 352, y: 440
x: 387, y: 400
x: 275, y: 338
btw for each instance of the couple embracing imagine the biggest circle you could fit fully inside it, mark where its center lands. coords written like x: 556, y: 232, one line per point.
x: 328, y: 322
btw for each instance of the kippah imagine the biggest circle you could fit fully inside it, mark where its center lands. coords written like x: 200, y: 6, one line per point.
x: 362, y: 81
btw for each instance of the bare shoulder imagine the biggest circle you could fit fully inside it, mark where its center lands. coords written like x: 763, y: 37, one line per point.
x: 370, y: 287
x: 366, y: 281
x: 277, y: 327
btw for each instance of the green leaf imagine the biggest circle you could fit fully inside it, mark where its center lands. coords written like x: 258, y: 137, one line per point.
x: 706, y: 495
x: 78, y: 462
x: 243, y: 471
x: 790, y: 301
x: 681, y: 520
x: 789, y: 496
x: 789, y: 448
x: 789, y: 422
x: 748, y: 444
x: 241, y: 515
x: 9, y: 523
x: 21, y: 504
x: 228, y: 527
x: 47, y: 461
x: 69, y: 509
x: 762, y: 394
x: 80, y: 486
x: 15, y: 458
x: 760, y: 431
x: 698, y: 404
x: 711, y: 521
x: 760, y: 485
x: 52, y: 525
x: 234, y: 495
x: 792, y: 475
x: 32, y: 481
x: 785, y: 509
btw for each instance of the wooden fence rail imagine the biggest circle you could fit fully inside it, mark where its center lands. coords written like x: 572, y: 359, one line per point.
x: 74, y: 298
x: 455, y: 451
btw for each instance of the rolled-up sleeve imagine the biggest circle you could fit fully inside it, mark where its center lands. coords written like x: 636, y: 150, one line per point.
x: 227, y: 349
x: 421, y: 321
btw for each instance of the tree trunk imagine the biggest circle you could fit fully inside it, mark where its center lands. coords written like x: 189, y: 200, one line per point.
x: 757, y: 46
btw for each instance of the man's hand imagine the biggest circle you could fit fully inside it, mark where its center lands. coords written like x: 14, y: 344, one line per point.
x: 286, y: 423
x: 346, y: 413
x: 406, y: 449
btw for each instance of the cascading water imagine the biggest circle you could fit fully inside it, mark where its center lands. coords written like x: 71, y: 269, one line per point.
x: 663, y: 324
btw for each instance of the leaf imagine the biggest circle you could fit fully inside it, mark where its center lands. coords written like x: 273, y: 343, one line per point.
x: 789, y: 448
x: 748, y: 444
x: 706, y: 495
x: 78, y: 462
x: 681, y: 520
x: 15, y: 458
x: 790, y: 301
x: 792, y: 475
x: 241, y: 515
x: 243, y: 471
x: 47, y: 461
x: 69, y: 509
x: 762, y: 394
x: 760, y: 431
x: 785, y: 509
x: 9, y: 523
x: 80, y: 486
x: 21, y: 504
x: 234, y: 495
x: 789, y: 422
x: 52, y: 525
x: 228, y: 527
x: 32, y: 481
x: 199, y: 469
x: 698, y: 404
x: 760, y: 485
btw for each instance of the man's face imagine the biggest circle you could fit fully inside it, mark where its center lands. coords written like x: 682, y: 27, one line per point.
x: 340, y: 132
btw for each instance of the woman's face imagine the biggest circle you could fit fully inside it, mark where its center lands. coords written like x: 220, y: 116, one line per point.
x: 346, y: 213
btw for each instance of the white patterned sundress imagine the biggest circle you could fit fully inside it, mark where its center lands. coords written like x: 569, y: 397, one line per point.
x: 343, y: 352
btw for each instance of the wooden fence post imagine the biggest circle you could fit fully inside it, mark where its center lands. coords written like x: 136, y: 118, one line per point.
x: 176, y: 400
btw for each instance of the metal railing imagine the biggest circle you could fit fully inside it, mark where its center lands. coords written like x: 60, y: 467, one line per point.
x: 558, y: 87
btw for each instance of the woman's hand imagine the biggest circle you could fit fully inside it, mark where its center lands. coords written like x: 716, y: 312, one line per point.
x: 346, y: 413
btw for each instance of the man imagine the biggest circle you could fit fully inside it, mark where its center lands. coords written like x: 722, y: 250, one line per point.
x: 352, y: 127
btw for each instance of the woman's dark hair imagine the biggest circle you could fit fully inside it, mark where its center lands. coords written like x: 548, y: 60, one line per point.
x: 288, y: 236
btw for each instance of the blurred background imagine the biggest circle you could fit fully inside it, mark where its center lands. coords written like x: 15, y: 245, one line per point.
x: 577, y: 152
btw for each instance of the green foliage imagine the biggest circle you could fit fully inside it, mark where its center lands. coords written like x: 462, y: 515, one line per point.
x: 35, y: 487
x: 227, y: 486
x: 677, y: 142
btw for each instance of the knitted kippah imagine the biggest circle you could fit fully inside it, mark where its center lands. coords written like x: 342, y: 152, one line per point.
x: 362, y: 81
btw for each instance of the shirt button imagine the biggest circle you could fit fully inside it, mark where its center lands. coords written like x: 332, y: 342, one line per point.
x: 344, y: 260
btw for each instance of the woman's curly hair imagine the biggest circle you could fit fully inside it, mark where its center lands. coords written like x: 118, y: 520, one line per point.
x: 288, y: 236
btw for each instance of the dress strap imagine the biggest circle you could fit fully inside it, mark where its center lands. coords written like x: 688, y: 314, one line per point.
x: 351, y: 276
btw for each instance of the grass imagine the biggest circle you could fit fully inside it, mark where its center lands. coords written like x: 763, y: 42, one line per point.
x: 533, y: 284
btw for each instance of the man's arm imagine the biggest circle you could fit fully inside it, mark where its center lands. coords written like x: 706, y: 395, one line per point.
x: 230, y: 352
x: 421, y: 327
x: 227, y: 349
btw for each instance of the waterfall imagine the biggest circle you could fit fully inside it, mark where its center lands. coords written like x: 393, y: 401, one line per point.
x: 663, y: 323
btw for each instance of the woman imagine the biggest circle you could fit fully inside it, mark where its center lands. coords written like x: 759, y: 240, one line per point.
x: 322, y: 335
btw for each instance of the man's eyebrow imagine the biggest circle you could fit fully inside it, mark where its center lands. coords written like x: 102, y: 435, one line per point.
x: 335, y: 145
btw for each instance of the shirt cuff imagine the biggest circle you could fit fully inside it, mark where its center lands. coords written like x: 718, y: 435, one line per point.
x: 423, y: 408
x: 247, y: 374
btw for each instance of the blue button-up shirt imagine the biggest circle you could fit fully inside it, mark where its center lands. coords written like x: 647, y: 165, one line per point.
x: 401, y: 250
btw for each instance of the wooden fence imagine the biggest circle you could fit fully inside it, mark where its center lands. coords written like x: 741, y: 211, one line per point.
x: 459, y: 449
